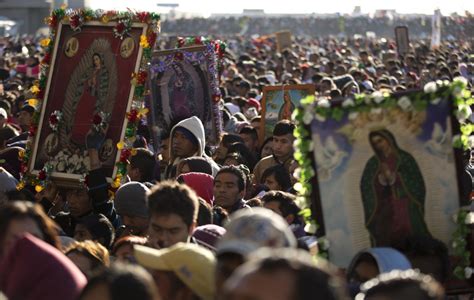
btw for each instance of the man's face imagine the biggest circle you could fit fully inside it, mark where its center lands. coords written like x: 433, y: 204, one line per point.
x: 249, y: 141
x: 78, y: 201
x: 260, y: 286
x: 165, y: 230
x: 221, y: 151
x: 165, y: 150
x: 135, y: 225
x: 271, y: 183
x: 283, y: 145
x: 182, y: 147
x: 273, y: 206
x: 226, y: 190
x: 81, y: 233
x: 24, y: 118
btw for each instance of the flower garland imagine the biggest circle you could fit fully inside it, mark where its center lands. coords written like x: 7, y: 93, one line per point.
x: 76, y: 19
x: 433, y: 92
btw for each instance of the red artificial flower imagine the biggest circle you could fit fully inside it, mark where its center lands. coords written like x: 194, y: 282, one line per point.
x: 53, y: 119
x: 46, y: 59
x: 151, y: 38
x: 216, y: 98
x: 97, y: 119
x: 198, y: 40
x: 120, y: 27
x: 142, y: 16
x: 23, y: 168
x: 75, y: 21
x: 180, y: 42
x: 42, y: 175
x: 53, y: 21
x: 124, y: 155
x: 132, y: 116
x: 32, y: 131
x: 141, y: 77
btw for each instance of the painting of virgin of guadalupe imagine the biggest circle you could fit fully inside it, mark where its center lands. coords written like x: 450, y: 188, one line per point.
x: 384, y: 177
x: 89, y: 78
x: 181, y: 88
x: 279, y: 102
x: 393, y: 192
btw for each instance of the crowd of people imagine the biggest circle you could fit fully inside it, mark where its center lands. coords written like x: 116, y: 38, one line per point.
x: 454, y: 27
x: 200, y: 222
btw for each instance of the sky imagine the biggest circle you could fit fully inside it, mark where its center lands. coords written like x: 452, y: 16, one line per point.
x: 206, y: 7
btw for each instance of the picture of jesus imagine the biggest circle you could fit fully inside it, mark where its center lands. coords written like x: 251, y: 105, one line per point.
x: 393, y: 192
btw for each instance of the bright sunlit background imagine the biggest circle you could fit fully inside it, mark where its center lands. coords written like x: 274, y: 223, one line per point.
x: 207, y: 7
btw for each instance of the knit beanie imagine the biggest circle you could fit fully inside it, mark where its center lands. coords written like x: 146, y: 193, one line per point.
x: 131, y: 200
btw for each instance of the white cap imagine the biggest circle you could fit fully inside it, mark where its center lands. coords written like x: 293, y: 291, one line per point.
x: 3, y: 113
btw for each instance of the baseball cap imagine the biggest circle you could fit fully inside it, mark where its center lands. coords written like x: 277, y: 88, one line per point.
x: 250, y: 230
x: 193, y: 264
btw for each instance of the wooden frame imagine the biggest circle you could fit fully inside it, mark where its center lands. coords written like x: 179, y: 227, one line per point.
x: 403, y: 42
x: 275, y: 107
x: 74, y: 86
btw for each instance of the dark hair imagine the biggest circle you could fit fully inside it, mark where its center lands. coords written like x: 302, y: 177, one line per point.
x: 311, y: 281
x: 100, y: 228
x: 144, y: 161
x: 250, y: 131
x: 171, y: 197
x: 284, y: 127
x: 237, y: 172
x: 254, y: 202
x: 124, y: 281
x: 198, y: 164
x: 248, y: 158
x: 286, y: 201
x: 230, y: 138
x: 205, y: 213
x: 397, y: 285
x: 424, y: 246
x: 281, y: 174
x: 18, y: 210
x: 128, y: 240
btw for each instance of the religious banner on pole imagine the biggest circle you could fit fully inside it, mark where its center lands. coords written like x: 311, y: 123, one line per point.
x: 436, y: 29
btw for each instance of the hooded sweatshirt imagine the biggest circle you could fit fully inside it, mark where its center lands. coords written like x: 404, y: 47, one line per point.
x: 193, y: 125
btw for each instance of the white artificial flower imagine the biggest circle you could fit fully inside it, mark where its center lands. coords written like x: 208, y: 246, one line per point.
x: 446, y: 82
x: 61, y: 167
x: 469, y: 218
x: 468, y: 272
x: 457, y: 91
x: 323, y: 243
x: 308, y: 116
x: 311, y: 228
x: 439, y: 83
x: 460, y: 79
x: 353, y: 115
x: 348, y: 102
x: 378, y: 97
x: 324, y: 103
x: 320, y: 118
x: 310, y: 145
x: 470, y: 141
x: 404, y: 103
x: 436, y: 101
x: 430, y: 87
x: 367, y: 100
x: 297, y: 173
x: 463, y: 113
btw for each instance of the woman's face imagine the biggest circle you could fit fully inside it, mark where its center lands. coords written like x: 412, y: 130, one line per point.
x: 267, y: 149
x: 381, y: 144
x: 271, y: 183
x: 125, y: 253
x: 17, y: 228
x: 96, y: 60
